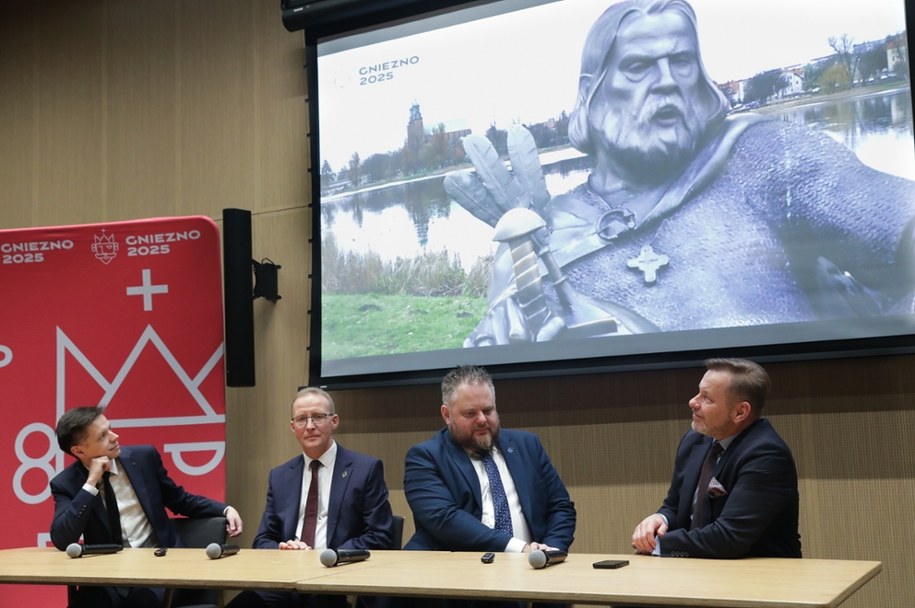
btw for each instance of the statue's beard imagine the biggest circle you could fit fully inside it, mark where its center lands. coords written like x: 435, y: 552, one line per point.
x: 654, y: 141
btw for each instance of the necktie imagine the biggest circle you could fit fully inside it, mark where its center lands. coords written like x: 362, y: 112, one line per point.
x: 708, y: 467
x: 111, y: 505
x: 503, y: 516
x: 310, y: 520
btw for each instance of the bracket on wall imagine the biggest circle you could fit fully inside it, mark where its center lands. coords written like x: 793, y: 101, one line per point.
x: 266, y: 282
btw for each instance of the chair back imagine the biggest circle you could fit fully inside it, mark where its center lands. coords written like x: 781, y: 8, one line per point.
x: 397, y: 533
x: 199, y: 532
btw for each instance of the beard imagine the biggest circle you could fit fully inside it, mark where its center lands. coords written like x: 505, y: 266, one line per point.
x: 642, y: 147
x: 478, y: 444
x: 699, y: 427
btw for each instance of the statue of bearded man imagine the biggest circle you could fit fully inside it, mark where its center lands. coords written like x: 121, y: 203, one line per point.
x: 691, y: 218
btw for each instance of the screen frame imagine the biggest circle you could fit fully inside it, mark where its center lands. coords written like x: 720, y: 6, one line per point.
x: 390, y: 12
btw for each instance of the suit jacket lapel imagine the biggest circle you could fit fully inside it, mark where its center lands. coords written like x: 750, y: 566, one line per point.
x: 343, y: 465
x: 691, y: 479
x: 519, y: 471
x: 462, y: 463
x: 734, y: 448
x: 289, y: 509
x: 130, y: 468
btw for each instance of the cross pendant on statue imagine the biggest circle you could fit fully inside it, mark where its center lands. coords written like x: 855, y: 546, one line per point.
x: 649, y: 263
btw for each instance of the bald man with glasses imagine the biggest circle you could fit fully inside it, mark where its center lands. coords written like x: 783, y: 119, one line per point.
x: 328, y: 497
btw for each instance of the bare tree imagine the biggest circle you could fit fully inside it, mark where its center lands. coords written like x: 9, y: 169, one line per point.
x: 844, y: 46
x: 355, y: 169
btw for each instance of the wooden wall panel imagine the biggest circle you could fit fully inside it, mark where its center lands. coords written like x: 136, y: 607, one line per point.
x: 281, y: 114
x: 117, y: 109
x: 71, y: 114
x: 18, y: 112
x: 216, y: 80
x: 141, y: 105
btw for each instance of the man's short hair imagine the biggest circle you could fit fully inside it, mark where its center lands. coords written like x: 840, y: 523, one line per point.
x: 314, y: 390
x: 73, y: 425
x: 599, y: 43
x: 465, y: 374
x: 749, y: 381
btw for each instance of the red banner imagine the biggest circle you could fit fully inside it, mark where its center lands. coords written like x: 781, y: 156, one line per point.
x: 123, y: 314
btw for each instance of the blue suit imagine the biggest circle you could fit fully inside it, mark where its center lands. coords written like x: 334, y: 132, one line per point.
x: 358, y: 512
x: 77, y: 512
x: 443, y: 490
x: 358, y: 517
x: 755, y: 512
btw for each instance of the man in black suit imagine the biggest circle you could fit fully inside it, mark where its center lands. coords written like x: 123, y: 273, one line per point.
x: 141, y: 490
x: 747, y: 505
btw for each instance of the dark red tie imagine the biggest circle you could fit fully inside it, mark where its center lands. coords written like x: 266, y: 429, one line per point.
x: 310, y: 521
x: 705, y: 477
x: 111, y: 505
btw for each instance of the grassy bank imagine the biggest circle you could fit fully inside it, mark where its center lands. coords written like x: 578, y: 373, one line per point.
x: 362, y: 325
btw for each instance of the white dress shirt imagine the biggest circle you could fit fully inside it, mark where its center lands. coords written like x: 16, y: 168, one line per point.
x: 522, y: 534
x: 135, y: 527
x: 325, y: 477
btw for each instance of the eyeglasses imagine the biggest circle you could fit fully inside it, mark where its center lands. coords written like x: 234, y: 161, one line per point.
x: 302, y: 421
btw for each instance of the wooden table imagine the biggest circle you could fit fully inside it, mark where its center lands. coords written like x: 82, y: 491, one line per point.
x: 191, y: 568
x: 758, y: 582
x: 651, y: 581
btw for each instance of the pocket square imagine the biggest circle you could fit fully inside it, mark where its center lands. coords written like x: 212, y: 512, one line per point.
x: 715, y: 489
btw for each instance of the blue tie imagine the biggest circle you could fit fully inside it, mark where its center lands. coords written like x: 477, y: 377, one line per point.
x: 499, y: 500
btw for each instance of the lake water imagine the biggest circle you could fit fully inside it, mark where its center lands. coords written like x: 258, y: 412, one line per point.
x: 403, y: 220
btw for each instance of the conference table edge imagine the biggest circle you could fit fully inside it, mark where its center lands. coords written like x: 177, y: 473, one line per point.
x: 341, y: 586
x: 335, y: 581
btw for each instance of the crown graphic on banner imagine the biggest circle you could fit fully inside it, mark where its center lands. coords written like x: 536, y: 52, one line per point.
x: 104, y: 247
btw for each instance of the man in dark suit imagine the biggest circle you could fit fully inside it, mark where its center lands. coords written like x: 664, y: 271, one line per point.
x: 734, y: 489
x: 452, y: 491
x: 141, y: 491
x: 352, y: 509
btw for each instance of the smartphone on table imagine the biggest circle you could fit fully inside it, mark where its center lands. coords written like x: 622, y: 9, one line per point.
x: 611, y: 564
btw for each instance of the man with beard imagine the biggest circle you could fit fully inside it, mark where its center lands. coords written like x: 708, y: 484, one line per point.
x: 690, y: 218
x: 476, y: 487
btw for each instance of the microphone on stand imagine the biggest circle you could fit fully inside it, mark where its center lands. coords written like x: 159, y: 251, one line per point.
x: 541, y: 559
x: 333, y: 557
x: 215, y: 550
x: 77, y: 550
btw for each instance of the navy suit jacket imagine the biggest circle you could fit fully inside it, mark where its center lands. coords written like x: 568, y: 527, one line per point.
x: 358, y: 512
x: 77, y: 512
x: 756, y: 512
x: 443, y: 490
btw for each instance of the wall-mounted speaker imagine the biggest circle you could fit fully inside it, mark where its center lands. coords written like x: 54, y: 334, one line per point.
x: 238, y: 289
